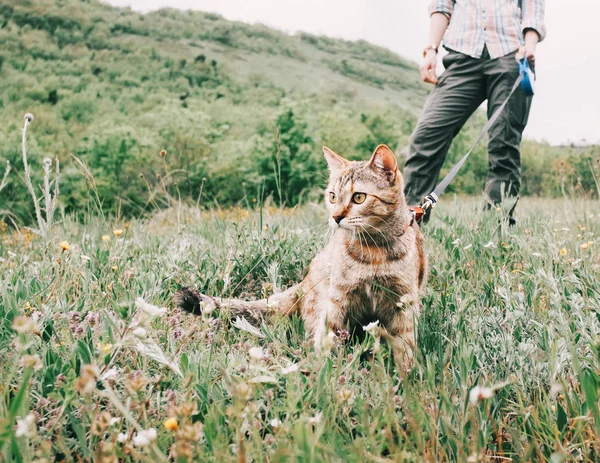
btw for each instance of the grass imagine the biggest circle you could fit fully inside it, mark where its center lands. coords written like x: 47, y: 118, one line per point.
x: 508, y: 340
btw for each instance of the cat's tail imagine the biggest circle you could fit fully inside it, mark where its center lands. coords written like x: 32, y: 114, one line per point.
x: 286, y: 303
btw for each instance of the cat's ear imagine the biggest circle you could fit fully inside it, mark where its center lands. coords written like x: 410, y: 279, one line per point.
x: 383, y: 159
x: 335, y: 162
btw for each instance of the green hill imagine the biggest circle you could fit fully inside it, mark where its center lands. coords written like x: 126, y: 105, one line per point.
x: 114, y: 87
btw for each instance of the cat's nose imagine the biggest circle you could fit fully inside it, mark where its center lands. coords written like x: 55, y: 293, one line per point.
x: 338, y: 218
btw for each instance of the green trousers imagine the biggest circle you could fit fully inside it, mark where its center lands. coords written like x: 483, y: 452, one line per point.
x: 466, y: 83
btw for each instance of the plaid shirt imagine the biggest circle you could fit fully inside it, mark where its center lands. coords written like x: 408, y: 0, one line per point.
x: 497, y: 24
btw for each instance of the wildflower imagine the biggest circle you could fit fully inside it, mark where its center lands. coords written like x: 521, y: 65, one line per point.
x: 584, y: 246
x: 171, y: 424
x: 122, y: 437
x: 170, y: 395
x: 105, y: 348
x: 371, y: 327
x: 316, y: 419
x: 479, y: 393
x: 590, y: 243
x: 275, y: 423
x: 163, y: 153
x: 346, y: 395
x: 105, y: 238
x: 86, y: 383
x: 242, y: 391
x: 64, y: 245
x: 118, y: 232
x: 144, y: 438
x: 563, y: 252
x: 255, y: 353
x: 293, y: 367
x: 26, y: 426
x: 29, y: 117
x: 92, y: 318
x: 23, y: 324
x: 140, y: 333
x: 115, y: 268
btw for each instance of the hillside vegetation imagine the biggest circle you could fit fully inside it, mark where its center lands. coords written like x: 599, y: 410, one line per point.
x: 241, y: 110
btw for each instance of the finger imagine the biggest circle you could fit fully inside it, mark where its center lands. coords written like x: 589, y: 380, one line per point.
x: 432, y: 76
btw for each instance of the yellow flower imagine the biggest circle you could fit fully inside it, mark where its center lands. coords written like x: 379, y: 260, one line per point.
x: 105, y: 348
x: 64, y: 245
x: 171, y: 424
x: 115, y: 268
x: 105, y: 238
x: 118, y: 232
x: 590, y: 243
x: 584, y: 246
x: 563, y: 252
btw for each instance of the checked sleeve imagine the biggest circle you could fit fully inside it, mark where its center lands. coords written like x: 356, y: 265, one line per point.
x: 441, y: 6
x: 532, y: 15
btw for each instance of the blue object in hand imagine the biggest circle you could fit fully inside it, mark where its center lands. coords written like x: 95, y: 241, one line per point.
x: 528, y: 77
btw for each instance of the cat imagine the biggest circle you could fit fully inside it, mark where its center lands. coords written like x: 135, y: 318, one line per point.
x: 372, y: 269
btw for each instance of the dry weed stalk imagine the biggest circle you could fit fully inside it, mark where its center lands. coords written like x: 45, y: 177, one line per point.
x: 50, y: 198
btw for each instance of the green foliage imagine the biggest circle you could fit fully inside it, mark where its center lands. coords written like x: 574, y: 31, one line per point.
x: 114, y: 87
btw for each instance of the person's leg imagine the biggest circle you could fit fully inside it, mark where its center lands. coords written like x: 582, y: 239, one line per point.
x: 504, y: 176
x: 459, y: 92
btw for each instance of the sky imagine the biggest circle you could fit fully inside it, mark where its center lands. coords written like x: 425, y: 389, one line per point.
x: 566, y: 108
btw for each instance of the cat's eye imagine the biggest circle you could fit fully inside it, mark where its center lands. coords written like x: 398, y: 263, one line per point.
x: 359, y: 198
x: 332, y: 197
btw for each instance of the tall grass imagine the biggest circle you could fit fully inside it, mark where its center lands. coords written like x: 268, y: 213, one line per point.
x: 507, y: 368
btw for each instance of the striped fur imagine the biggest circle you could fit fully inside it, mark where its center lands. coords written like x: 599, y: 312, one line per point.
x: 372, y: 269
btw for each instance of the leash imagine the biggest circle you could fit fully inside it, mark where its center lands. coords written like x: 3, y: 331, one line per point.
x: 525, y: 81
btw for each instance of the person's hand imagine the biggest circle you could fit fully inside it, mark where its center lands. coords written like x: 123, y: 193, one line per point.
x: 526, y: 52
x: 428, y: 67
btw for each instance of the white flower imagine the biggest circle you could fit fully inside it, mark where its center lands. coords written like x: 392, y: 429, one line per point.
x: 371, y: 327
x: 114, y: 420
x: 151, y: 310
x: 479, y: 393
x: 315, y: 419
x: 111, y: 374
x: 25, y: 426
x: 489, y: 244
x: 143, y: 438
x: 291, y: 368
x: 256, y: 353
x: 275, y: 423
x: 122, y: 437
x: 140, y: 333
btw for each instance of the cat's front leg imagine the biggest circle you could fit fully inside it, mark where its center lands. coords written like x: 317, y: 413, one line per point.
x: 403, y: 332
x: 329, y: 318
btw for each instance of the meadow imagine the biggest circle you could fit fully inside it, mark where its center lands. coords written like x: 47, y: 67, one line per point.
x: 178, y: 148
x: 98, y: 366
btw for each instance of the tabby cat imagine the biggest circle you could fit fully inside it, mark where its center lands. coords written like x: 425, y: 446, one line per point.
x: 372, y: 269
